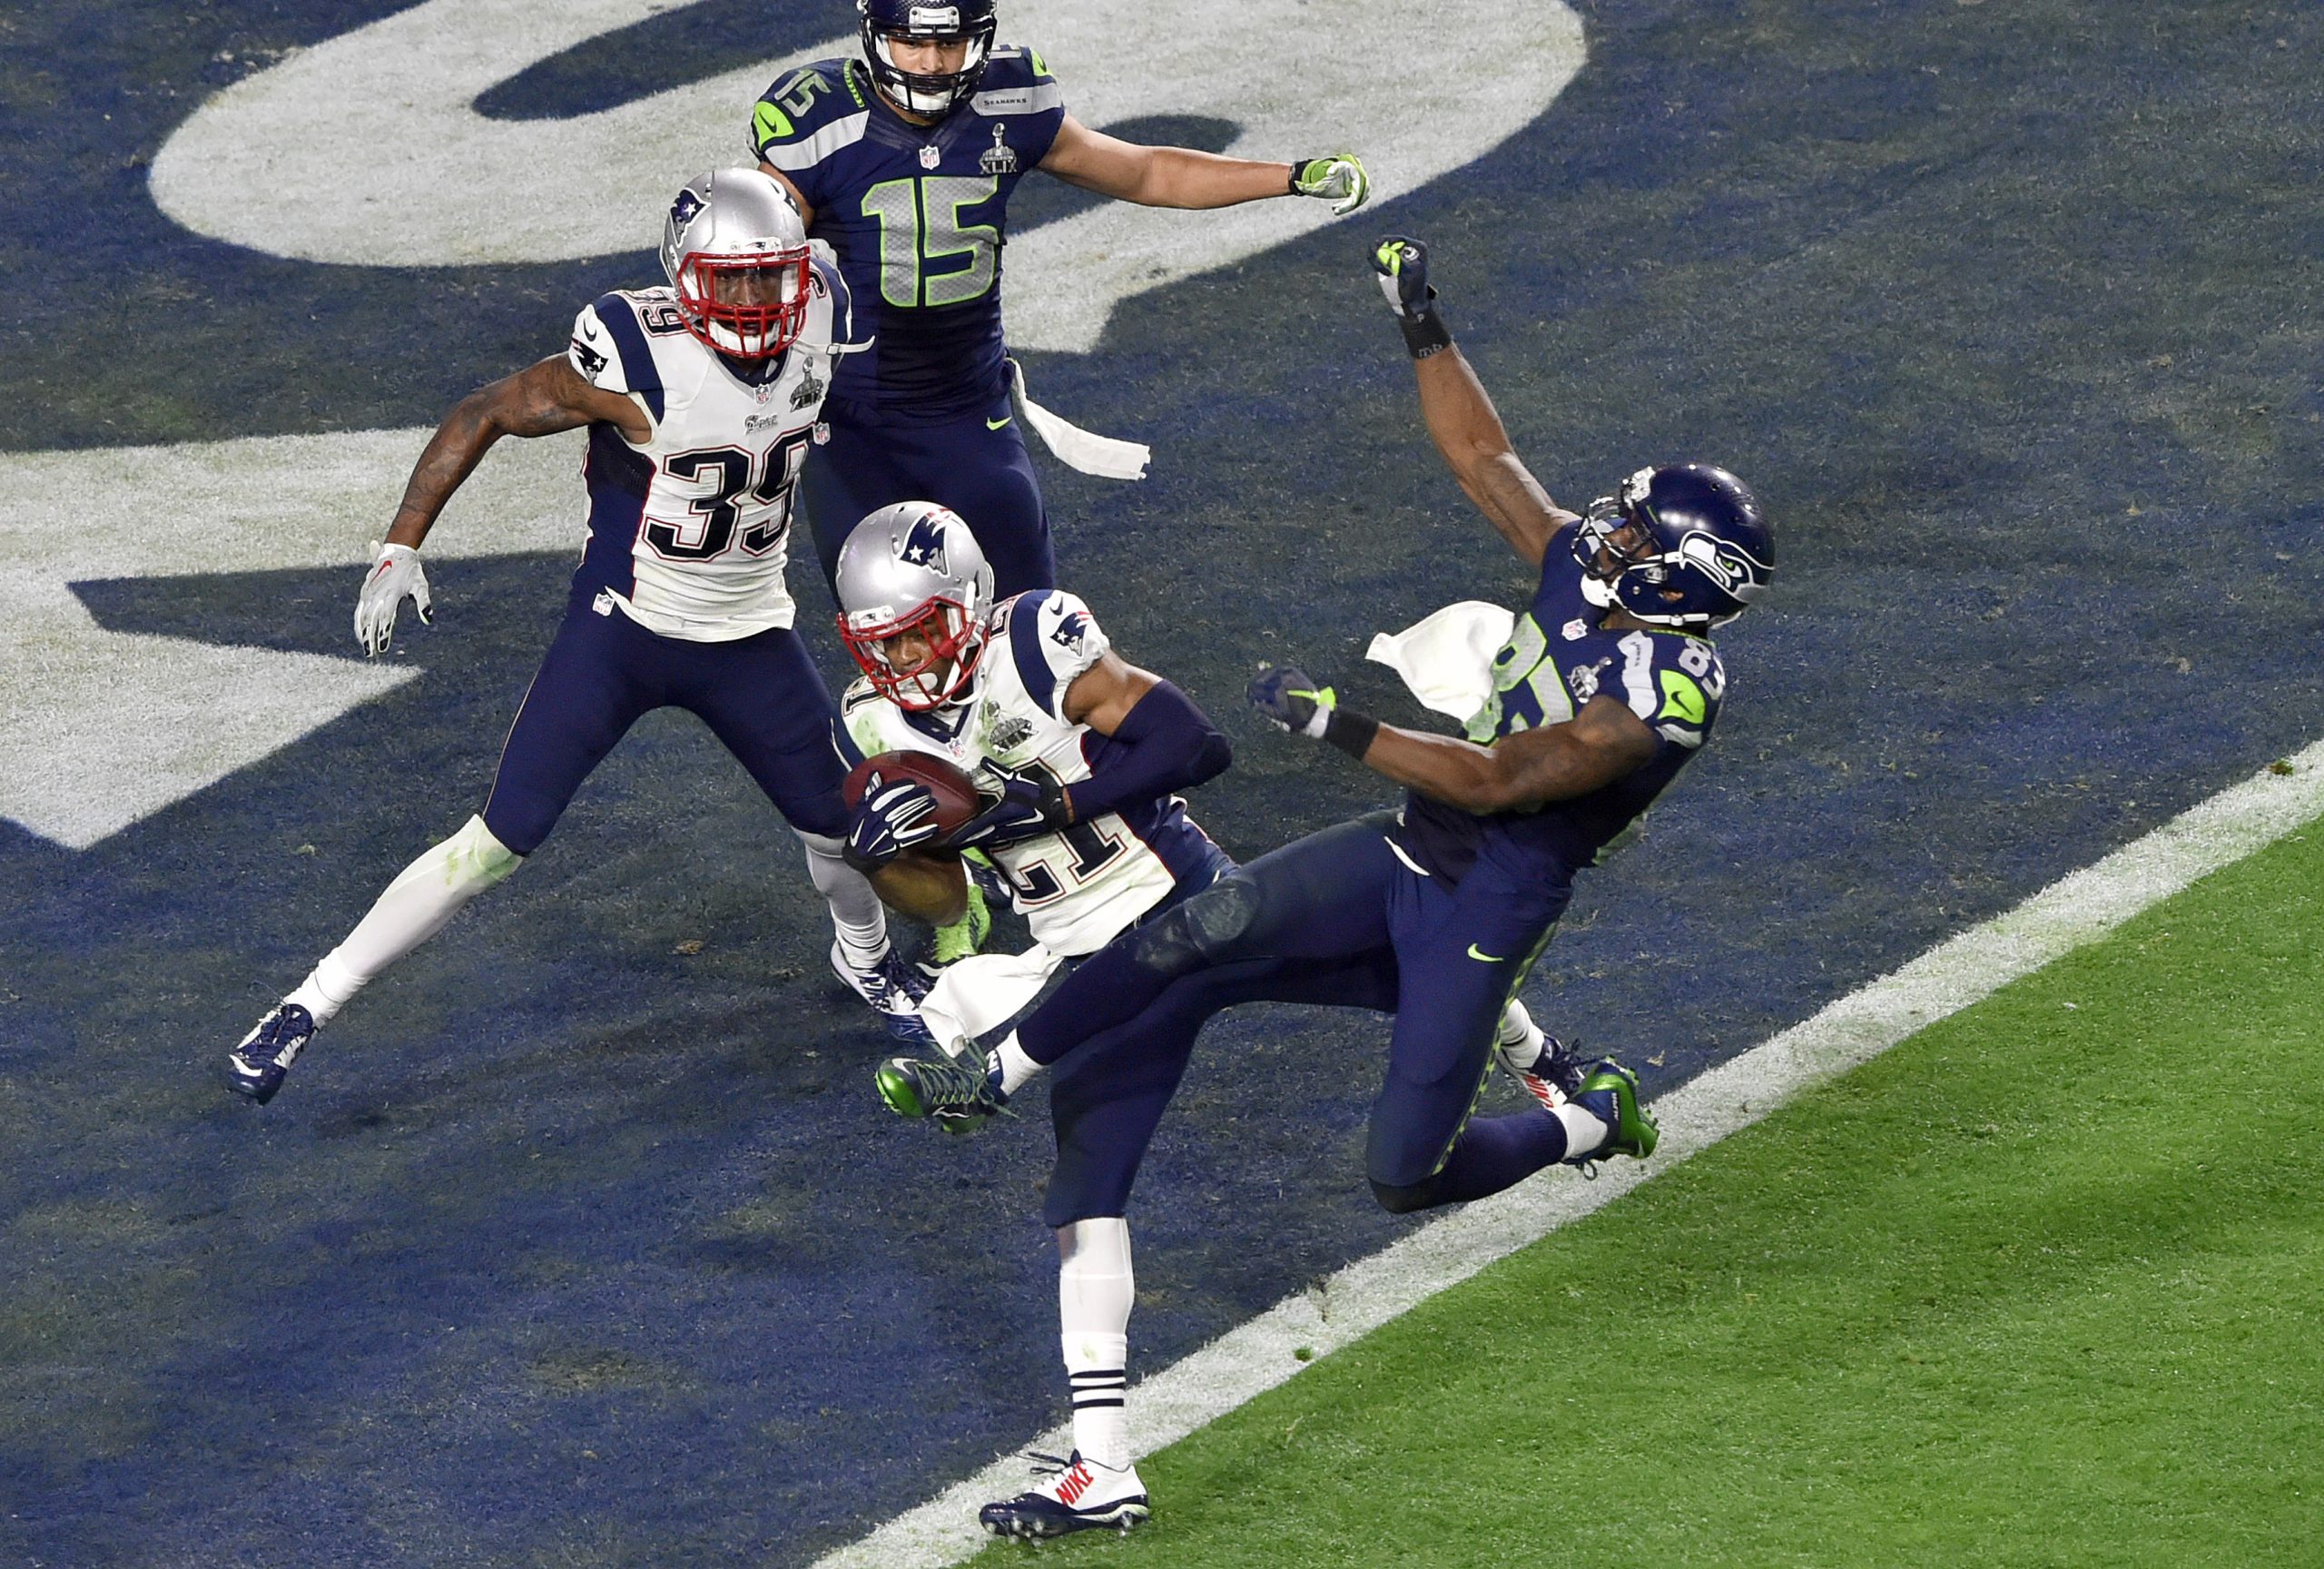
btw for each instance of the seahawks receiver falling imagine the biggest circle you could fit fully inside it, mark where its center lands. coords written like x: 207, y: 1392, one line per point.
x: 905, y: 160
x: 1606, y: 689
x: 700, y: 400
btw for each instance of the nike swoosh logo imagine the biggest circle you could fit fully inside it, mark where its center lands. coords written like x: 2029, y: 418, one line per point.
x: 996, y: 424
x: 1482, y: 956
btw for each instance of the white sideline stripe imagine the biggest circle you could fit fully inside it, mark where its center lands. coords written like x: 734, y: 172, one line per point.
x: 1247, y: 1361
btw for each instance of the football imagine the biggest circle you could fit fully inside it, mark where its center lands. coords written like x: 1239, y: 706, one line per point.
x: 956, y: 799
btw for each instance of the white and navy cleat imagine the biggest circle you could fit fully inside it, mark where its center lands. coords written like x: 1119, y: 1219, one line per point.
x: 1079, y: 1495
x: 256, y: 1068
x: 893, y: 989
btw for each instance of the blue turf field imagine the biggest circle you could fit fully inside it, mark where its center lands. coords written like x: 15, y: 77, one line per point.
x: 566, y: 1246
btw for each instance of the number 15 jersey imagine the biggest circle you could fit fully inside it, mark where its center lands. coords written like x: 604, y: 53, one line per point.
x: 917, y: 216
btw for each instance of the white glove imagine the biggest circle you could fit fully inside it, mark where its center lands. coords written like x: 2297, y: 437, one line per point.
x: 395, y: 572
x: 1335, y: 177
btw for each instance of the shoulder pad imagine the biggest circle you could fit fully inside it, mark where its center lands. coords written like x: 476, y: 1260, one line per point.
x: 796, y: 107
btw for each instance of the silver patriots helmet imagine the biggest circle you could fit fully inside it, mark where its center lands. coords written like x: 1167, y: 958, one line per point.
x: 914, y: 568
x: 736, y: 253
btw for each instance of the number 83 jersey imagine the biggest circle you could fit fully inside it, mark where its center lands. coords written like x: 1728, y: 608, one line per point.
x: 688, y: 534
x: 1078, y: 887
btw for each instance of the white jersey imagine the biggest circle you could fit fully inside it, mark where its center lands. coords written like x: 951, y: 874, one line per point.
x: 1078, y: 887
x: 688, y: 534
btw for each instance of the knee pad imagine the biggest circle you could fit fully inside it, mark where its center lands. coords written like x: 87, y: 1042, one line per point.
x: 1204, y: 930
x: 1407, y: 1198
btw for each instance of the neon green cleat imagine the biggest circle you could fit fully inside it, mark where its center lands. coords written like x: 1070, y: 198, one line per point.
x: 1610, y: 1093
x: 961, y: 1097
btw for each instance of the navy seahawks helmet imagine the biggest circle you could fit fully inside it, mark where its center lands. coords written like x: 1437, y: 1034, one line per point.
x: 914, y: 567
x: 1679, y: 546
x: 931, y: 93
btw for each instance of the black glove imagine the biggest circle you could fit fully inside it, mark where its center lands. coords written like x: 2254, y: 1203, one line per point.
x: 893, y: 816
x: 1401, y: 264
x: 1289, y: 696
x: 1027, y: 808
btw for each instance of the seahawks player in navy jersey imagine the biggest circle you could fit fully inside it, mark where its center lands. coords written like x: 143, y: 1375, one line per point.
x: 699, y: 399
x: 905, y: 160
x: 1607, y: 686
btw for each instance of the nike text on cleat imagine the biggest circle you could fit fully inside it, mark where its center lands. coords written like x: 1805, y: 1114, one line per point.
x: 1081, y: 1496
x: 257, y: 1066
x: 1552, y: 1078
x: 960, y: 1096
x: 1609, y: 1092
x: 894, y: 988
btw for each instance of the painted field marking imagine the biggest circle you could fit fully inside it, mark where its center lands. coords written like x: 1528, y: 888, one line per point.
x: 464, y: 189
x: 1247, y: 1361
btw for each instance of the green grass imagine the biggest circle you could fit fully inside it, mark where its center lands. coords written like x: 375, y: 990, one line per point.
x: 2041, y: 1285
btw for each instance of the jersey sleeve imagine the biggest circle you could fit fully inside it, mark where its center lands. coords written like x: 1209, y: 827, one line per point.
x: 864, y: 713
x: 803, y: 119
x: 593, y: 353
x: 1053, y: 639
x: 1675, y: 683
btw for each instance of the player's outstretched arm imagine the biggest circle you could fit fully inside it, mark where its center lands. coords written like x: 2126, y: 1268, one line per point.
x: 1188, y: 177
x: 1523, y: 772
x: 1165, y: 743
x: 538, y: 400
x: 1462, y: 420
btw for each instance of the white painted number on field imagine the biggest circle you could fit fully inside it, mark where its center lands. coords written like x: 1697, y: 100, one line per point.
x: 369, y: 148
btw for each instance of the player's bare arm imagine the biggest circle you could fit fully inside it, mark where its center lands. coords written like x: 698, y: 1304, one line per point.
x: 1520, y: 773
x: 1460, y: 418
x: 1102, y: 695
x: 538, y: 400
x: 1161, y: 176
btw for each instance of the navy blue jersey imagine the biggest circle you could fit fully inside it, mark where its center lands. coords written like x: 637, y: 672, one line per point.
x: 1558, y: 658
x: 917, y: 215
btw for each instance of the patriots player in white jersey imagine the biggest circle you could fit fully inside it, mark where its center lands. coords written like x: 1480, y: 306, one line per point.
x: 700, y: 400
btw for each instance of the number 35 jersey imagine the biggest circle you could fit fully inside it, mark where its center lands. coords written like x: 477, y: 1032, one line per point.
x: 1078, y: 887
x: 1558, y: 658
x: 689, y: 532
x: 917, y: 215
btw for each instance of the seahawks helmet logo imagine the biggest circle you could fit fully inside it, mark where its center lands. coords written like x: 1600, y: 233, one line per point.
x: 924, y: 546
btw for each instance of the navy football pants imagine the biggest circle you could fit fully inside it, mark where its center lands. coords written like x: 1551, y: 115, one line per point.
x: 1339, y: 918
x: 981, y: 472
x: 760, y: 695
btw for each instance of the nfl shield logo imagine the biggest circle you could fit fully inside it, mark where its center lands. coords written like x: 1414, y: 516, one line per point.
x: 929, y: 157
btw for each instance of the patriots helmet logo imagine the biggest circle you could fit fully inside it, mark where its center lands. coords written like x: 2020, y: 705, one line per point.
x: 924, y: 546
x: 683, y: 210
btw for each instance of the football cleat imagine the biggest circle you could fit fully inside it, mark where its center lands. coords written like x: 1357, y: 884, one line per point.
x: 256, y: 1068
x: 1553, y: 1075
x: 1079, y: 1495
x: 894, y: 988
x: 961, y: 1097
x: 961, y: 938
x: 1608, y: 1093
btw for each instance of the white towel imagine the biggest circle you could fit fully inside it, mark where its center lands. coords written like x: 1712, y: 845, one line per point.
x: 1447, y: 659
x: 983, y: 991
x: 1074, y: 447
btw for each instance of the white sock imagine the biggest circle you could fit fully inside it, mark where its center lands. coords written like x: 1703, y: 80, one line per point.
x: 1094, y: 1290
x: 414, y: 907
x: 1017, y: 1069
x: 1584, y: 1132
x: 857, y: 916
x: 1520, y: 1039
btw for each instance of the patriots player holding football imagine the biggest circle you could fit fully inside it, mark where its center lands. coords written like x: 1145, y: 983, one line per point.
x: 700, y: 398
x: 905, y: 160
x: 1607, y: 686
